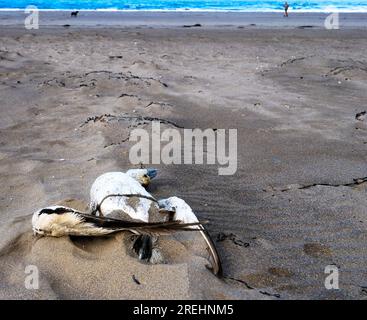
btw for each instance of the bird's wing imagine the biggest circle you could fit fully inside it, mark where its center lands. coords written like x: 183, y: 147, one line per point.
x: 143, y: 227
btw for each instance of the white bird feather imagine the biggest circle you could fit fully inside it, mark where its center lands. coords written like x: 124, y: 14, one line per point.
x: 58, y: 221
x: 104, y: 191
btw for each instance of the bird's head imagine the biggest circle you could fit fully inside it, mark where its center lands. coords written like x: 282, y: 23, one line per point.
x: 142, y: 175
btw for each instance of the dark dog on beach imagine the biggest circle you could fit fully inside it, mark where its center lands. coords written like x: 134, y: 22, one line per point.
x: 74, y: 14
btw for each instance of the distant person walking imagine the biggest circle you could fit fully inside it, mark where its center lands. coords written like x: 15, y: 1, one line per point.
x: 286, y: 7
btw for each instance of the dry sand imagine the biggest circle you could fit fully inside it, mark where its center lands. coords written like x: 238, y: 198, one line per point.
x: 291, y: 208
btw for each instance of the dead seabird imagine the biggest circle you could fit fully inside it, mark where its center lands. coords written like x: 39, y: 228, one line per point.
x: 124, y: 193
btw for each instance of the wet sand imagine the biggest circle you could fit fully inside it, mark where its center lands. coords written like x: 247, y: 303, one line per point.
x: 292, y: 208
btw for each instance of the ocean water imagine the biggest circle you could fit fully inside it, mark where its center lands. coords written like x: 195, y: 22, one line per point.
x: 208, y: 5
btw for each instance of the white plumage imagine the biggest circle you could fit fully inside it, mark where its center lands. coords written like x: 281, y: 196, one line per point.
x: 58, y: 221
x: 183, y: 211
x: 106, y: 188
x: 124, y: 192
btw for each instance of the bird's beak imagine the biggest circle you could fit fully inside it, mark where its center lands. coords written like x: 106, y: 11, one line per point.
x: 152, y: 173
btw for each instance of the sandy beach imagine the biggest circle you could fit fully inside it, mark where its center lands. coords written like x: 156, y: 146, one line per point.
x: 296, y: 204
